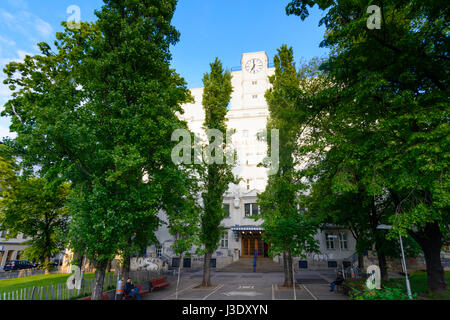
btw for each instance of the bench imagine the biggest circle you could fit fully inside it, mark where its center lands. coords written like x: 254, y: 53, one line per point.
x: 158, y: 283
x: 104, y: 297
x: 141, y: 292
x: 343, y: 288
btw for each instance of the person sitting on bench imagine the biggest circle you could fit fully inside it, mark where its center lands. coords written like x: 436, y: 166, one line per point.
x: 339, y: 280
x: 132, y: 290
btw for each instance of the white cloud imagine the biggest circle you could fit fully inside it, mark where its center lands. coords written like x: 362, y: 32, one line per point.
x: 21, y: 4
x: 44, y: 28
x: 4, y: 132
x: 27, y: 24
x: 7, y: 41
x: 22, y: 55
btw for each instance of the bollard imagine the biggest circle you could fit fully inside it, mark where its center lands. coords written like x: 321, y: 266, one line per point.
x: 119, y: 290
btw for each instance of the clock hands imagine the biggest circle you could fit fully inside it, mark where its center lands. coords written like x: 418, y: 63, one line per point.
x: 256, y: 67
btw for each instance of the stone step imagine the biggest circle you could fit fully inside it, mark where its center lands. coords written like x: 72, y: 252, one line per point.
x: 246, y: 265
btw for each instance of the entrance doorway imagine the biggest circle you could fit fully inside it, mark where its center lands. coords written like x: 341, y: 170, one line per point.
x: 252, y: 241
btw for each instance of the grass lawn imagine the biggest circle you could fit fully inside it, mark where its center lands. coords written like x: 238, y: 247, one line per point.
x: 9, y: 285
x: 418, y: 282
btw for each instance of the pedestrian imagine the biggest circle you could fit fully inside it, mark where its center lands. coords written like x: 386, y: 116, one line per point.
x: 131, y: 289
x: 339, y: 280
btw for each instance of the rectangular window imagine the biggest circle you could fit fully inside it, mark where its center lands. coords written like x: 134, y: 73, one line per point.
x: 224, y: 240
x: 330, y: 241
x: 226, y: 210
x: 343, y: 240
x: 247, y: 209
x: 255, y: 96
x: 2, y: 234
x: 254, y: 82
x: 158, y: 251
x: 251, y: 209
x: 255, y: 209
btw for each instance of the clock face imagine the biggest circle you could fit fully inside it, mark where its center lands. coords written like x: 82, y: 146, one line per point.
x: 254, y: 66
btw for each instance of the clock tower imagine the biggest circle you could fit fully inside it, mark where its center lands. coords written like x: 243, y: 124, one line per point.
x: 251, y: 82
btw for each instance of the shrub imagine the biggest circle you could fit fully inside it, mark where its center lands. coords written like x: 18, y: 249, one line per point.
x: 381, y: 294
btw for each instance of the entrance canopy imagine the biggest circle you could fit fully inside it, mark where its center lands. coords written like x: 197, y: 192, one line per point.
x: 247, y: 228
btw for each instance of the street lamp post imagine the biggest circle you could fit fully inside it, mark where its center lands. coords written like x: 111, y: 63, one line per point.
x: 408, y: 287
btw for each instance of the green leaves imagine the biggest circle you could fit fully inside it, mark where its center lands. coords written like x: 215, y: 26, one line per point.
x: 385, y: 122
x: 216, y: 177
x: 35, y: 208
x: 286, y: 228
x: 99, y: 111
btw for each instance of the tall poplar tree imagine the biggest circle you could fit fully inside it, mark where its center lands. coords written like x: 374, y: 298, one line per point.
x: 216, y: 97
x: 285, y: 227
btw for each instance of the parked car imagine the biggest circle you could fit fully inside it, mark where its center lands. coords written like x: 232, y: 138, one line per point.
x: 15, y: 265
x: 57, y: 262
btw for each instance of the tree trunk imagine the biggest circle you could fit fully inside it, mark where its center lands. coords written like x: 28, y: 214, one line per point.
x: 383, y: 266
x: 361, y: 262
x: 125, y: 268
x: 382, y: 262
x: 431, y: 243
x: 79, y: 259
x: 97, y: 290
x: 207, y: 270
x: 47, y: 264
x: 108, y: 266
x: 288, y: 281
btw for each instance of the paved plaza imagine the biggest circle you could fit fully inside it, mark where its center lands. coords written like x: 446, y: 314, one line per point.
x: 311, y: 285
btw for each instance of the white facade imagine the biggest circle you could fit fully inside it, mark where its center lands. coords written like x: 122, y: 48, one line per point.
x: 11, y: 249
x: 247, y: 114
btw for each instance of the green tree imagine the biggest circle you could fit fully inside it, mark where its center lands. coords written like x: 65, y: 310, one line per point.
x: 286, y: 228
x: 101, y: 111
x: 391, y: 89
x: 217, y: 174
x: 37, y: 209
x: 7, y: 168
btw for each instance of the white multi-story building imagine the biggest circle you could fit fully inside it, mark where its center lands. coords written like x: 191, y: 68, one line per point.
x: 12, y: 248
x: 247, y: 114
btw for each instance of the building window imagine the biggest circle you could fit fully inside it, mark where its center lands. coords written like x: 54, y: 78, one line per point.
x: 2, y: 234
x: 343, y: 240
x: 254, y: 82
x: 226, y: 210
x: 248, y: 184
x: 247, y: 209
x: 251, y: 209
x: 18, y: 255
x: 158, y: 251
x: 224, y: 240
x: 330, y: 241
x: 255, y: 96
x: 245, y: 133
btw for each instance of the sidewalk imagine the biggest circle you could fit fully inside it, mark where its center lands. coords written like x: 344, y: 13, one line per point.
x: 311, y: 285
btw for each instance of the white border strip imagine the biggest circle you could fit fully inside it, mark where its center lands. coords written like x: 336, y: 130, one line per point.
x: 315, y: 298
x: 215, y: 290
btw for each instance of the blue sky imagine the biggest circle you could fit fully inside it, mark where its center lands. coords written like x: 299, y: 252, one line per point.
x: 209, y: 29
